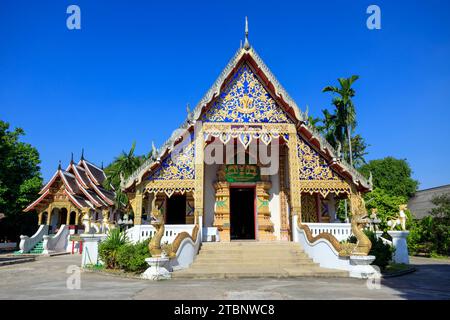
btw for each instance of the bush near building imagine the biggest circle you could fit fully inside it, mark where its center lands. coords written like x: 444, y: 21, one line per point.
x: 431, y: 235
x: 117, y: 253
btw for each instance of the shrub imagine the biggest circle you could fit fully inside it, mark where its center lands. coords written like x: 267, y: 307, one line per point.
x: 382, y: 252
x: 131, y: 257
x: 108, y: 249
x: 431, y: 235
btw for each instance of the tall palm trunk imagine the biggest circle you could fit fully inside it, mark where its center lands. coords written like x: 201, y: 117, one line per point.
x: 350, y: 154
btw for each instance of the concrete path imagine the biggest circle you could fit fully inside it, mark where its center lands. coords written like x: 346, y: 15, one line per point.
x: 46, y: 279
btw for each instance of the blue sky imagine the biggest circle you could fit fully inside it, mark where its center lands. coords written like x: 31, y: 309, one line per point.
x: 130, y: 71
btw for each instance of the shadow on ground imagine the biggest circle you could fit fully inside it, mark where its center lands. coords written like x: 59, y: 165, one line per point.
x: 431, y: 280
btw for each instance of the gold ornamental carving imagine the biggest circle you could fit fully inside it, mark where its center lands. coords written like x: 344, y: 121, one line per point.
x: 154, y: 245
x: 284, y: 219
x: 309, y: 208
x: 222, y: 210
x: 359, y: 220
x: 265, y: 225
x: 294, y: 173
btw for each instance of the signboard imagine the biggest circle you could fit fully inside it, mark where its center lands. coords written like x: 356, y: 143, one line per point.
x: 242, y: 173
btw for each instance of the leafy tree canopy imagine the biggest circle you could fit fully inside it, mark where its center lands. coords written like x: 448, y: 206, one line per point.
x: 442, y: 209
x: 392, y: 175
x: 20, y: 178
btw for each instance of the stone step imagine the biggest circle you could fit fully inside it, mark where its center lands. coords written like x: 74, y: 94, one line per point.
x: 249, y: 245
x: 253, y: 259
x: 254, y: 255
x: 203, y: 273
x: 249, y: 250
x: 231, y: 259
x: 254, y: 264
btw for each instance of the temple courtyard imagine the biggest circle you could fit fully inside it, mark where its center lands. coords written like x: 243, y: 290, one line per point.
x: 46, y: 278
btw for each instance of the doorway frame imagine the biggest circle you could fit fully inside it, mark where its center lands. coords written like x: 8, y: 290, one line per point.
x: 252, y: 186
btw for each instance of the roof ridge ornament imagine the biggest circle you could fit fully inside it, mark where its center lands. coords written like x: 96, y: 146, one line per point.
x: 59, y: 165
x: 82, y: 153
x: 71, y: 159
x: 246, y: 43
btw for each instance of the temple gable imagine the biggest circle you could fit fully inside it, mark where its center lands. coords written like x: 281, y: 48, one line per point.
x: 315, y: 173
x: 245, y: 99
x: 177, y: 165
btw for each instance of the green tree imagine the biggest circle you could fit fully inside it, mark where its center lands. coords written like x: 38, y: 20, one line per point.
x: 441, y: 223
x: 345, y: 115
x: 20, y: 181
x: 359, y: 152
x: 392, y: 175
x: 122, y: 166
x: 386, y: 204
x: 442, y: 207
x: 431, y: 235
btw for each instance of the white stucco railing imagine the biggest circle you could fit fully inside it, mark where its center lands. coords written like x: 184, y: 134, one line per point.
x: 28, y: 243
x: 186, y: 253
x: 58, y: 242
x: 341, y: 231
x: 323, y: 252
x: 142, y: 232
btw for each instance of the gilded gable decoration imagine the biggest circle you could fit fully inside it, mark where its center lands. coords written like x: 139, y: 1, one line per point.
x: 245, y: 100
x: 245, y: 134
x: 177, y: 166
x: 315, y: 174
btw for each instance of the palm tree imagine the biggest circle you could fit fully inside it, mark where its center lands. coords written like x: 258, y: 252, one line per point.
x: 123, y: 165
x: 345, y: 120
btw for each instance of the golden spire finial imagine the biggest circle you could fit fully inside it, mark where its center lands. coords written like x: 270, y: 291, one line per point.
x: 246, y: 43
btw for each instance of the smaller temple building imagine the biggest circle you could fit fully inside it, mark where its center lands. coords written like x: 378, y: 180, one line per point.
x: 72, y: 194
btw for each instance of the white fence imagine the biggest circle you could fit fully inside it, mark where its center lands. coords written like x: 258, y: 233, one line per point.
x: 142, y: 232
x: 341, y: 231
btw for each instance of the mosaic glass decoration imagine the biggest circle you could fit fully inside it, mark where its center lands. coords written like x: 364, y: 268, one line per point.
x: 246, y: 100
x: 178, y: 165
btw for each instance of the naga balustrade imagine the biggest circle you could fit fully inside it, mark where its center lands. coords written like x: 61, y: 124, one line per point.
x: 341, y: 231
x: 142, y: 232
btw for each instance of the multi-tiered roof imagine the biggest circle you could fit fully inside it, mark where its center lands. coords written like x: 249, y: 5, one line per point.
x: 81, y: 184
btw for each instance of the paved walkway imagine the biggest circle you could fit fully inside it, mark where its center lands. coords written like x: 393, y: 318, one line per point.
x: 46, y: 279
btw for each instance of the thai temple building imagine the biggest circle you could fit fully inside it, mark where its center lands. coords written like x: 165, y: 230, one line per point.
x: 73, y: 193
x: 245, y: 171
x: 213, y: 171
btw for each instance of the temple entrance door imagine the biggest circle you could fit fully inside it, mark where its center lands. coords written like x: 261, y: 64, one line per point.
x: 242, y: 213
x: 176, y: 210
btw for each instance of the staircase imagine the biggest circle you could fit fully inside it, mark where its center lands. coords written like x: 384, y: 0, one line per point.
x: 251, y: 259
x: 37, y: 249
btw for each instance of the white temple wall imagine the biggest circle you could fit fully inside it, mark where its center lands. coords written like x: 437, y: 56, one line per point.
x: 274, y: 204
x: 209, y: 199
